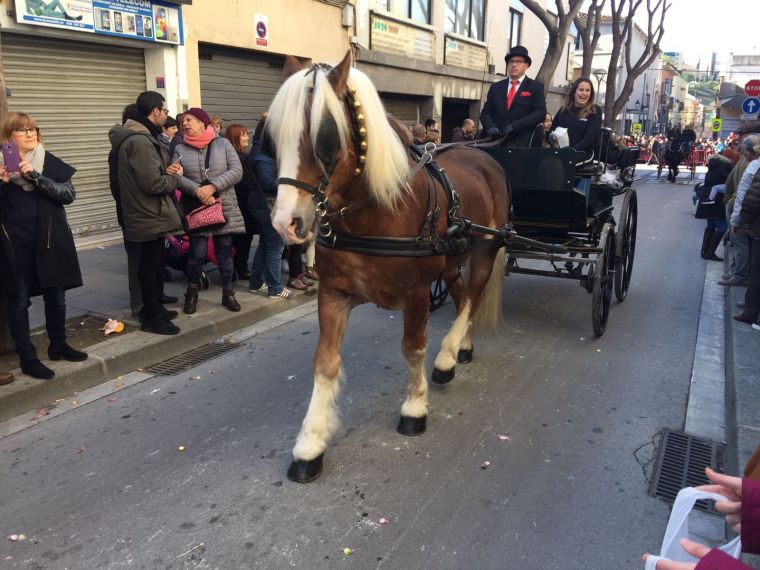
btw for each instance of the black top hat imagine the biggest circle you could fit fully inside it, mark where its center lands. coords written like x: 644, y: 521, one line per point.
x: 518, y: 51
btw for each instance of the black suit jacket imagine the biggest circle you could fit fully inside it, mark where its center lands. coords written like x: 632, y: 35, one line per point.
x: 528, y: 110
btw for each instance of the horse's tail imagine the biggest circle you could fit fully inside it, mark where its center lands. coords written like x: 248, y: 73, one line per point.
x: 489, y: 316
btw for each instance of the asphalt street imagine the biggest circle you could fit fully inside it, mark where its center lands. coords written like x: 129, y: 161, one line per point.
x: 189, y: 471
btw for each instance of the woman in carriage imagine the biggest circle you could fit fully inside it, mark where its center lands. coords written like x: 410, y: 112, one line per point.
x: 582, y: 118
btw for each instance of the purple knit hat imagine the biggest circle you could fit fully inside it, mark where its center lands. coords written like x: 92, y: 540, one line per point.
x: 199, y: 114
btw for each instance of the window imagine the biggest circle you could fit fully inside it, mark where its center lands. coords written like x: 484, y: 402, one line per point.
x: 515, y: 27
x: 466, y: 17
x: 418, y: 10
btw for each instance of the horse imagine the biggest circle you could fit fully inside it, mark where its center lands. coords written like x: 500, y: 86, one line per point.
x: 675, y: 152
x: 346, y: 175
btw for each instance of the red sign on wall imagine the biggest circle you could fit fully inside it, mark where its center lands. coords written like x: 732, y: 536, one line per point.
x: 752, y: 88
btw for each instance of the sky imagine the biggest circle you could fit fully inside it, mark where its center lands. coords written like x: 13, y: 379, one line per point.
x: 696, y: 28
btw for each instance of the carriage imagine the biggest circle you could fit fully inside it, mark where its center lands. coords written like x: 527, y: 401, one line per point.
x: 564, y: 224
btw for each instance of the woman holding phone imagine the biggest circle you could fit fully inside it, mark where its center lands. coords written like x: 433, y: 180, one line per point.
x: 37, y: 252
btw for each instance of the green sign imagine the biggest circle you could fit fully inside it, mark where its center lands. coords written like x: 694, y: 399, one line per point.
x: 717, y: 124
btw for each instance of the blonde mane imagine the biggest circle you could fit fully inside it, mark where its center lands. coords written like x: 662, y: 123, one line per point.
x: 387, y: 164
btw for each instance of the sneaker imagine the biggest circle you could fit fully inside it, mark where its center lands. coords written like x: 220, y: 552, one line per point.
x: 252, y: 289
x: 284, y: 294
x: 305, y: 280
x: 756, y: 326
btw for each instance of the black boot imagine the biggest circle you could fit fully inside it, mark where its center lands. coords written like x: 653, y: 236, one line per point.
x: 36, y: 369
x: 62, y: 351
x: 191, y: 299
x: 706, y: 240
x: 166, y: 314
x: 229, y: 301
x: 164, y: 298
x: 712, y: 245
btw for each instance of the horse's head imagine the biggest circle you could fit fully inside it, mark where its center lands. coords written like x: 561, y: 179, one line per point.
x: 324, y: 122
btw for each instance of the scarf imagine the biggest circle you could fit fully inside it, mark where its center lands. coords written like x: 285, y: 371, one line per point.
x: 155, y: 130
x: 202, y: 140
x: 36, y: 158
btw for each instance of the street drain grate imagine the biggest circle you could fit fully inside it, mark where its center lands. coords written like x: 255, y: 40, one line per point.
x: 681, y: 462
x: 191, y: 358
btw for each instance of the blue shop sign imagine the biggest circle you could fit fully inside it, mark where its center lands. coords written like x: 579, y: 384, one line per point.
x: 147, y: 20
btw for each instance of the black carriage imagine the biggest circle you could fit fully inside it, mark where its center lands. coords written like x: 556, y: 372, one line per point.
x: 563, y: 221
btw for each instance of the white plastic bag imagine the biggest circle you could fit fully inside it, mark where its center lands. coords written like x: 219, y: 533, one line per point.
x: 561, y: 136
x: 678, y: 528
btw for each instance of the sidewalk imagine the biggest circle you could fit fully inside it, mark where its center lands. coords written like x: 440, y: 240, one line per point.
x: 105, y: 295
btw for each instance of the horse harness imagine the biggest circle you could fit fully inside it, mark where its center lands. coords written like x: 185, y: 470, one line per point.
x: 458, y: 237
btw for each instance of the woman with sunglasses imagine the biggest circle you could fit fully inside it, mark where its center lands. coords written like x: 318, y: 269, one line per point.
x: 37, y: 252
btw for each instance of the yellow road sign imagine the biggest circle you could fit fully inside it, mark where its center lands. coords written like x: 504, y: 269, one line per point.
x: 717, y: 124
x: 637, y: 129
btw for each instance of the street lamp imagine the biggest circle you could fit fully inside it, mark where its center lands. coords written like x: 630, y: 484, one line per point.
x: 599, y: 74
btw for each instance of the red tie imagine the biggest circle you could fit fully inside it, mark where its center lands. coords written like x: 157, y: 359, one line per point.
x: 511, y: 94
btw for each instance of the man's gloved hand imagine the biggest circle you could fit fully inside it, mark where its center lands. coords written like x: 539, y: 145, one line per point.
x: 507, y: 130
x: 494, y: 132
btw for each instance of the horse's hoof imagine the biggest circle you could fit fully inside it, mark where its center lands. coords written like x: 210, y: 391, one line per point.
x: 412, y: 426
x: 301, y: 471
x: 464, y: 355
x: 443, y: 376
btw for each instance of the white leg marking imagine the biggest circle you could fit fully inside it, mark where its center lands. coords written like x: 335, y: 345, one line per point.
x: 416, y: 403
x: 322, y: 419
x: 446, y: 359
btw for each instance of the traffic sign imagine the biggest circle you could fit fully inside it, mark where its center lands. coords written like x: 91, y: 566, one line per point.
x: 751, y: 105
x: 636, y: 129
x: 752, y: 88
x: 717, y: 124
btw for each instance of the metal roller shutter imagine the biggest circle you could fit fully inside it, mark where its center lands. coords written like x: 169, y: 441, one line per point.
x: 76, y: 92
x: 405, y: 109
x: 238, y: 85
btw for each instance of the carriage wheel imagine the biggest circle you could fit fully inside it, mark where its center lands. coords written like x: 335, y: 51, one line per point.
x: 602, y: 288
x: 438, y: 293
x: 625, y: 244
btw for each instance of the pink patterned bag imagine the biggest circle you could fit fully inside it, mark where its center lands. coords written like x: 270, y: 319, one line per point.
x: 206, y: 218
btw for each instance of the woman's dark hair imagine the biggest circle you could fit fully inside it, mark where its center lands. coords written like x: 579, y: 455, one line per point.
x: 590, y: 106
x: 234, y: 133
x: 149, y: 100
x: 128, y: 112
x: 170, y: 122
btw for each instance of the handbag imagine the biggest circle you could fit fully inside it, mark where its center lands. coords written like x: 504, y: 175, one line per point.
x: 206, y: 217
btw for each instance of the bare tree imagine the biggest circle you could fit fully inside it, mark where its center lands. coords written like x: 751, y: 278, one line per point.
x: 557, y: 27
x: 623, y: 30
x: 589, y: 30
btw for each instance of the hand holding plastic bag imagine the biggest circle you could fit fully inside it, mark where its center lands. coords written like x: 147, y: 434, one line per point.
x: 560, y: 135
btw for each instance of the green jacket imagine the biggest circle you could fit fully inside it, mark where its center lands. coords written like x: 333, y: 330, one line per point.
x: 149, y: 208
x: 732, y: 182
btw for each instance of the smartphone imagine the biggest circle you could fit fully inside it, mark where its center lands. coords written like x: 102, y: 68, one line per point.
x: 11, y: 156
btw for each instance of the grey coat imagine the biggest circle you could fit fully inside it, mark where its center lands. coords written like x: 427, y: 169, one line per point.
x: 224, y: 171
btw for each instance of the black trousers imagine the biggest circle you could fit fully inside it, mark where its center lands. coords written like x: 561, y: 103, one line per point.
x: 18, y: 308
x: 151, y: 276
x: 752, y: 296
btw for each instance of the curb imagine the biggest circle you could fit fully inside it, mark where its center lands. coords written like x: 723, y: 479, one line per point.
x: 136, y: 349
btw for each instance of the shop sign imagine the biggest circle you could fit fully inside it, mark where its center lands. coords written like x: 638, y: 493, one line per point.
x: 390, y: 36
x: 463, y: 54
x: 147, y: 20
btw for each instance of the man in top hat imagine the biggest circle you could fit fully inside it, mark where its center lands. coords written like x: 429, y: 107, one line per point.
x: 514, y: 106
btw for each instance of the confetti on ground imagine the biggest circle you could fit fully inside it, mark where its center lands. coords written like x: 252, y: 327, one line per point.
x: 111, y: 400
x: 504, y: 437
x: 213, y: 372
x: 17, y: 537
x: 485, y: 465
x: 195, y: 377
x: 181, y: 448
x: 583, y: 338
x: 81, y: 450
x: 74, y: 402
x: 154, y: 391
x: 40, y: 413
x: 347, y: 551
x: 292, y: 377
x: 599, y: 350
x: 382, y: 520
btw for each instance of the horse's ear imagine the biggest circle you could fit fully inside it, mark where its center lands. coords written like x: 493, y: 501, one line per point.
x: 292, y: 66
x: 338, y: 76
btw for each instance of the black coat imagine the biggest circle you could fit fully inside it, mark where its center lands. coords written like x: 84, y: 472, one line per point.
x: 55, y: 254
x: 528, y: 110
x: 750, y: 212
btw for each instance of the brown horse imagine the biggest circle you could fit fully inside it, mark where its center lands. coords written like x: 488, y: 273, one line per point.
x: 375, y: 213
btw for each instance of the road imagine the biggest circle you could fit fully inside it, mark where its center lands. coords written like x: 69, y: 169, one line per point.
x: 107, y: 486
